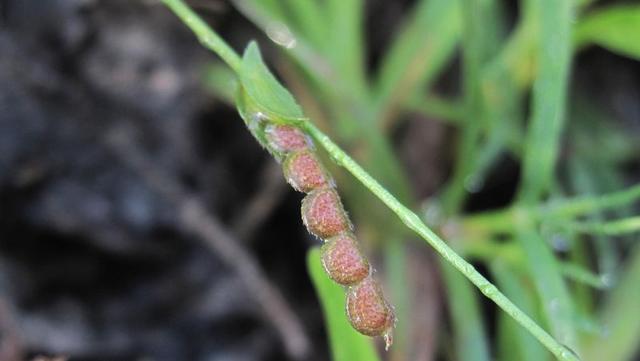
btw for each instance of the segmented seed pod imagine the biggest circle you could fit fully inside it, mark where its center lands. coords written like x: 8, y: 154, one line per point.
x: 286, y: 138
x: 368, y: 312
x: 323, y: 214
x: 343, y: 261
x: 304, y: 172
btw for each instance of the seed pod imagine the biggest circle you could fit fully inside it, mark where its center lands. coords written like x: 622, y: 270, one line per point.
x: 323, y: 214
x: 286, y: 138
x: 343, y: 261
x: 304, y: 172
x: 368, y: 311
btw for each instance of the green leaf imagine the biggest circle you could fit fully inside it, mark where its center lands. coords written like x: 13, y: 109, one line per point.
x: 548, y: 101
x: 616, y: 28
x: 419, y: 53
x: 263, y: 90
x: 621, y: 318
x: 515, y: 287
x: 346, y: 343
x: 346, y: 47
x: 468, y: 324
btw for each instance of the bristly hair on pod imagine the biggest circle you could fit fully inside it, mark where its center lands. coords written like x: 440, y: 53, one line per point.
x: 286, y: 138
x: 368, y: 312
x: 323, y: 214
x: 343, y: 261
x: 304, y: 172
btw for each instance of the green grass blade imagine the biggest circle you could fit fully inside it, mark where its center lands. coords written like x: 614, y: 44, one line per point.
x: 470, y: 337
x: 310, y: 18
x: 346, y: 45
x: 541, y: 150
x: 616, y: 28
x: 589, y: 204
x: 582, y: 275
x: 480, y: 33
x: 553, y: 292
x: 425, y: 45
x: 508, y: 279
x: 608, y: 228
x: 549, y: 98
x: 621, y: 318
x: 346, y: 343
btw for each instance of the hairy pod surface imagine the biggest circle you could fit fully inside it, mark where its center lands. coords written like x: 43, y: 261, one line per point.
x: 343, y: 261
x: 368, y: 312
x: 304, y: 172
x: 286, y: 138
x: 323, y: 214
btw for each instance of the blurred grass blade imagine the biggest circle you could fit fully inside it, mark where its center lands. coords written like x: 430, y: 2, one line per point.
x: 582, y: 275
x: 481, y: 31
x: 621, y: 318
x: 549, y: 98
x: 470, y: 335
x: 346, y: 45
x: 616, y: 28
x: 589, y: 204
x: 432, y: 106
x: 542, y: 145
x: 509, y: 281
x: 309, y: 17
x: 554, y: 294
x: 425, y: 44
x: 608, y: 228
x: 346, y: 343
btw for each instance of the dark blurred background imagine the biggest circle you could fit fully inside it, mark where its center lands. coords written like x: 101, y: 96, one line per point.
x: 123, y: 181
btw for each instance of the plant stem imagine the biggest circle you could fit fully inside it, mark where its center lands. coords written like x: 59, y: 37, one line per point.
x: 209, y: 38
x: 412, y: 220
x: 611, y: 228
x: 579, y: 206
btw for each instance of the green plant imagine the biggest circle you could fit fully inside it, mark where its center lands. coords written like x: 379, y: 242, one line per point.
x: 537, y: 55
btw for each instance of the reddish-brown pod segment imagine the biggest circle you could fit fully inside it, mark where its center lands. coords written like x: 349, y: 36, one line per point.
x: 304, y: 172
x: 368, y: 311
x: 323, y: 214
x: 343, y: 260
x: 285, y: 138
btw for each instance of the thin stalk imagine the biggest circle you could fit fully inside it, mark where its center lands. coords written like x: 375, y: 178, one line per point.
x: 584, y: 276
x: 610, y: 228
x: 209, y: 38
x: 504, y: 220
x: 413, y: 222
x: 448, y: 111
x: 589, y: 204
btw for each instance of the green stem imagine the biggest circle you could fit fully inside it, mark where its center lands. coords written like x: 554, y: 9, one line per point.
x: 579, y: 206
x: 610, y: 228
x: 583, y: 275
x: 504, y: 220
x: 412, y: 221
x: 209, y: 38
